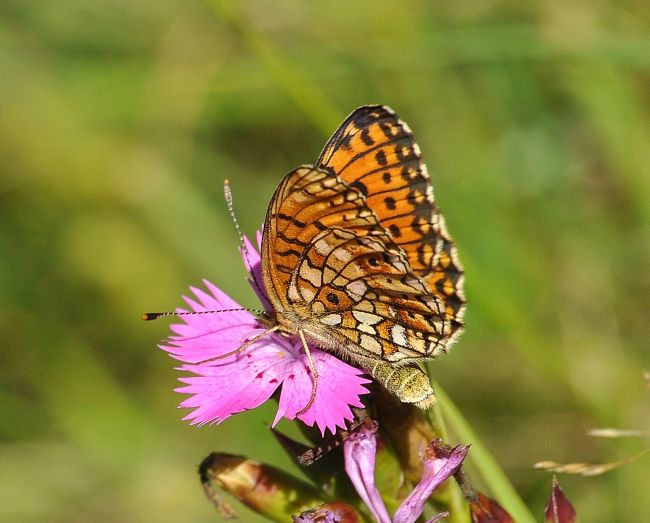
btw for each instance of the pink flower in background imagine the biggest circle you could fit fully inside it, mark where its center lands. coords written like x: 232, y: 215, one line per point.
x: 222, y: 387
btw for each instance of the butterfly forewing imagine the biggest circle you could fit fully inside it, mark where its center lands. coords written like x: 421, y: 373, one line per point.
x: 307, y: 202
x: 376, y: 153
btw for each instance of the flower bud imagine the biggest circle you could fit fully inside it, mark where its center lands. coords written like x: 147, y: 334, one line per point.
x: 263, y: 488
x: 486, y: 510
x: 558, y: 507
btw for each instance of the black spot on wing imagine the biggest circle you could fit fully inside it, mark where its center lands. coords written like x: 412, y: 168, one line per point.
x: 361, y: 187
x: 333, y: 298
x: 380, y: 156
x: 394, y: 230
x: 291, y: 219
x: 366, y: 138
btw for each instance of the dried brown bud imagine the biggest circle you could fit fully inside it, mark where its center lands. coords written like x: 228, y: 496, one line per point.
x: 558, y: 508
x: 486, y: 510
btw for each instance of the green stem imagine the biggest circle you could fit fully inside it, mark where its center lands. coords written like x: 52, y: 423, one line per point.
x: 438, y: 420
x: 492, y: 474
x: 459, y: 512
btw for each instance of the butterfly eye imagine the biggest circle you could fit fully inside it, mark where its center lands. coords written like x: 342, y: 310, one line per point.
x: 374, y: 262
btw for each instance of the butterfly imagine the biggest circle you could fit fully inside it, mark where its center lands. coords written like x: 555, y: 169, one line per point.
x: 356, y: 257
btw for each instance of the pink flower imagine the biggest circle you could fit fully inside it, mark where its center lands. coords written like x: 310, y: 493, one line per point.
x: 222, y: 386
x: 360, y: 450
x: 440, y: 463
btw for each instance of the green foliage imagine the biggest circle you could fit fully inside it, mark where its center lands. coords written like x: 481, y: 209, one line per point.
x: 119, y: 121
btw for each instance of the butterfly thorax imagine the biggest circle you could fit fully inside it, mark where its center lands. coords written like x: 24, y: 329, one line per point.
x: 292, y: 321
x: 289, y: 322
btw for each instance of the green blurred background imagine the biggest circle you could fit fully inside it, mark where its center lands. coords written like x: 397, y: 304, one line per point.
x: 119, y: 121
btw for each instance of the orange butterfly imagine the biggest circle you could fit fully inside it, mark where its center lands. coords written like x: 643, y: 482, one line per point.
x: 356, y: 257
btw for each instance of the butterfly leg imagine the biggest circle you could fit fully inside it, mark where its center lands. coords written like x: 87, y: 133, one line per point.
x: 313, y: 454
x: 243, y: 346
x: 314, y: 373
x: 409, y: 383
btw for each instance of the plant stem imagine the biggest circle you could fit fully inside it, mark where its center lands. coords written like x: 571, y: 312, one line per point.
x: 492, y: 474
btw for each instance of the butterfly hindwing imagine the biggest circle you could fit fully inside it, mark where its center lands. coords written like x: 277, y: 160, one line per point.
x: 361, y: 291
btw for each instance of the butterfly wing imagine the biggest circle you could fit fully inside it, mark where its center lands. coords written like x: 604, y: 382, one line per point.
x: 375, y: 152
x: 307, y: 202
x: 333, y: 271
x: 359, y: 291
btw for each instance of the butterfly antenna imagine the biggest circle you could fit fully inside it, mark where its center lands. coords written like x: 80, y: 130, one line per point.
x: 314, y: 374
x: 227, y: 192
x: 149, y: 316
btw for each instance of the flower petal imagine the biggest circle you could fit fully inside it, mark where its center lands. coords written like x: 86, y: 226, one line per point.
x: 225, y: 386
x: 206, y: 336
x: 439, y: 464
x: 238, y: 383
x: 339, y: 386
x: 253, y: 264
x: 359, y: 451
